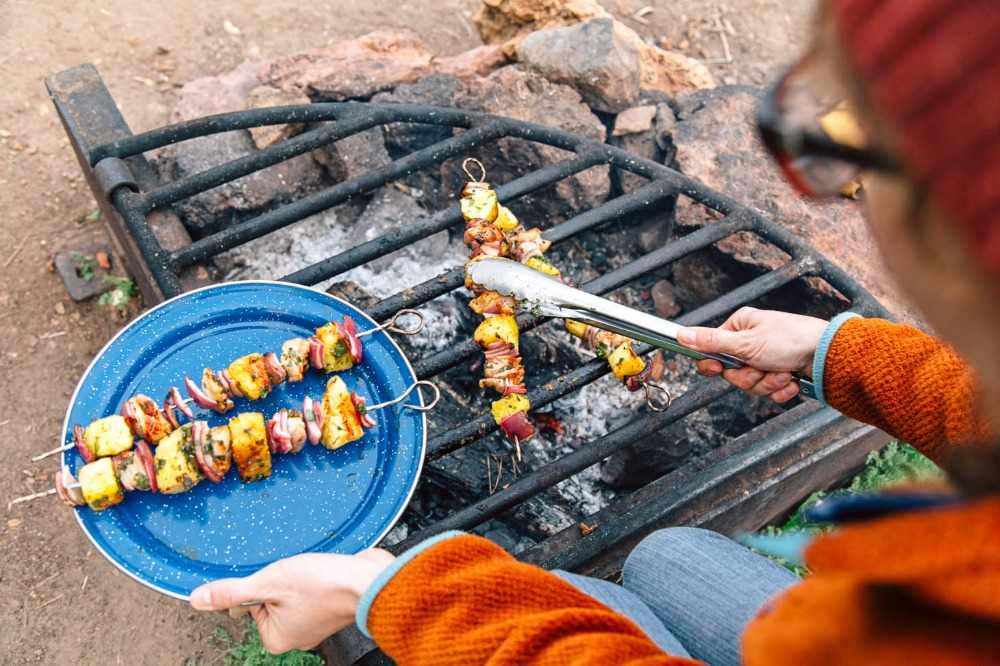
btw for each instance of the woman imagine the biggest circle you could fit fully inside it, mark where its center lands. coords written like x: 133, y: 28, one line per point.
x: 919, y: 587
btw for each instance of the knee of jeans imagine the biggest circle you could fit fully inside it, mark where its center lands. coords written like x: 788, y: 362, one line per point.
x: 670, y: 544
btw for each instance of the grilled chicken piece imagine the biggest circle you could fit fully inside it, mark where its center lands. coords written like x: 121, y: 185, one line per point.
x: 108, y: 436
x: 491, y: 303
x: 251, y: 454
x: 527, y: 244
x: 295, y: 358
x: 218, y: 449
x: 146, y: 419
x: 100, y: 485
x: 341, y: 421
x: 131, y: 471
x: 176, y: 468
x: 214, y: 390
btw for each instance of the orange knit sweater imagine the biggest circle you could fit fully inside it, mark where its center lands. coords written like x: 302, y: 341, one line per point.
x: 913, y: 589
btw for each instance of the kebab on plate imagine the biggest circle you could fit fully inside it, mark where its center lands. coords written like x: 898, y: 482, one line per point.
x: 194, y: 451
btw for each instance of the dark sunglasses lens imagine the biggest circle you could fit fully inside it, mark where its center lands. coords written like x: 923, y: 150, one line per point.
x: 812, y: 99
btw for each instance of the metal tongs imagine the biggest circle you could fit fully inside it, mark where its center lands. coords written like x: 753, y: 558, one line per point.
x: 545, y: 296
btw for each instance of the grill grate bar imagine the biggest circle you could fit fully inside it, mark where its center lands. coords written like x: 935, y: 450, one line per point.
x: 441, y: 361
x: 219, y: 175
x: 530, y: 484
x: 449, y: 217
x: 465, y: 434
x: 261, y: 225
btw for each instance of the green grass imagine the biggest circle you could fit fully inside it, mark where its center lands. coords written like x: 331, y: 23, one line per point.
x: 250, y: 652
x: 896, y: 463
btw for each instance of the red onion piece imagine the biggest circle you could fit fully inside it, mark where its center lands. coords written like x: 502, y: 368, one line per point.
x: 200, y: 397
x: 275, y: 371
x: 635, y: 382
x: 180, y: 403
x: 145, y: 454
x: 81, y: 446
x: 518, y: 425
x: 353, y: 341
x: 168, y: 412
x: 199, y: 430
x: 232, y: 388
x: 69, y: 496
x: 313, y: 431
x: 318, y: 411
x: 317, y: 350
x: 515, y: 388
x: 363, y: 417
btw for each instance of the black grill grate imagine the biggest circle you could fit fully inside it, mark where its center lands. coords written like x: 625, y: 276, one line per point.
x: 112, y: 159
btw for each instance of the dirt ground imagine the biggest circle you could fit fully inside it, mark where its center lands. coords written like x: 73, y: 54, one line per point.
x: 60, y: 601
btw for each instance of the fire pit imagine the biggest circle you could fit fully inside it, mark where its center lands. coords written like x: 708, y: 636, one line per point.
x: 743, y: 484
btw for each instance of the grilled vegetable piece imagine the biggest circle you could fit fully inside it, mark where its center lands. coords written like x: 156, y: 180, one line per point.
x: 214, y: 390
x: 492, y: 303
x: 248, y: 436
x: 625, y: 362
x: 542, y: 265
x: 508, y: 406
x: 176, y: 469
x: 341, y: 421
x: 131, y: 471
x: 250, y: 375
x: 576, y: 328
x: 295, y: 358
x: 108, y: 436
x: 506, y: 219
x: 337, y: 351
x: 502, y: 328
x: 480, y: 204
x: 145, y: 419
x: 100, y: 485
x: 217, y: 448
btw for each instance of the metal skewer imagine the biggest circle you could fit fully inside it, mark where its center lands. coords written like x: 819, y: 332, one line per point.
x: 418, y: 408
x: 391, y: 324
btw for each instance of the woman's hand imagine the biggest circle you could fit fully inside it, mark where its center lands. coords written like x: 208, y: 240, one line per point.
x: 773, y: 345
x: 306, y: 598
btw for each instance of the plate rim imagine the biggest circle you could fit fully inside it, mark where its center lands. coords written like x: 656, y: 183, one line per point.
x: 69, y: 408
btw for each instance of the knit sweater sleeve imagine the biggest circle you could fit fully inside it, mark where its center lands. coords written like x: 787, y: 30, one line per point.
x: 464, y: 600
x: 899, y: 379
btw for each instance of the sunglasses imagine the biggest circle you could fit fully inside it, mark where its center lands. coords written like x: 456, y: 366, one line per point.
x: 808, y: 126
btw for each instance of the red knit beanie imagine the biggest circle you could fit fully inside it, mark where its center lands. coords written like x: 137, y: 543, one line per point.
x: 931, y: 68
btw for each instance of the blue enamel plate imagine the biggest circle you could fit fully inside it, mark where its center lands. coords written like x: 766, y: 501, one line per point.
x: 318, y: 500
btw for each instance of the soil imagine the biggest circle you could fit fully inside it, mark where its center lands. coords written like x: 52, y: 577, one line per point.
x: 60, y: 601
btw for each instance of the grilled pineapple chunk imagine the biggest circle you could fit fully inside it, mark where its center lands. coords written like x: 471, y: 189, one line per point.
x: 341, y: 423
x: 624, y: 362
x: 337, y: 355
x: 100, y: 485
x: 508, y: 406
x: 542, y: 265
x: 576, y: 328
x: 176, y: 469
x: 250, y: 375
x: 108, y: 436
x: 480, y: 204
x: 502, y: 328
x: 248, y: 437
x: 506, y: 219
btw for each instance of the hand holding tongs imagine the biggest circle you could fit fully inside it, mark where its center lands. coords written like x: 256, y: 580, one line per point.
x: 543, y: 295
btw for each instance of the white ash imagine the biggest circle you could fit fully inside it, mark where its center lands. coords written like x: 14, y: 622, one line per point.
x: 321, y: 236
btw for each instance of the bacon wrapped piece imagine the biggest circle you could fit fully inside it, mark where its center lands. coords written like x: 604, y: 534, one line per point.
x: 528, y: 243
x: 491, y: 303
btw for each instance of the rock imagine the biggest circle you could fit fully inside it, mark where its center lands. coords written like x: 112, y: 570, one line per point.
x: 391, y: 209
x: 664, y: 123
x: 352, y: 69
x: 717, y: 144
x: 514, y: 92
x: 479, y: 61
x: 265, y: 96
x: 634, y: 120
x: 698, y: 279
x: 226, y: 204
x: 354, y: 155
x: 434, y: 90
x: 500, y: 21
x: 664, y: 300
x: 609, y: 64
x: 353, y: 293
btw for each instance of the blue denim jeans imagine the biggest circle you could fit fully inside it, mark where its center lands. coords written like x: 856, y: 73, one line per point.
x: 692, y: 591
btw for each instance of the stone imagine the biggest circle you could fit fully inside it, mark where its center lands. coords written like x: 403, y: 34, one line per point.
x: 352, y: 69
x: 634, y: 120
x: 433, y: 90
x: 609, y: 64
x: 517, y: 93
x: 226, y: 204
x: 265, y: 96
x: 664, y: 299
x: 480, y: 61
x: 716, y: 143
x: 500, y: 21
x: 664, y: 123
x: 354, y: 155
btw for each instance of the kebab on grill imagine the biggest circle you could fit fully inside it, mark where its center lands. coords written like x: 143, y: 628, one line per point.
x: 194, y: 451
x: 487, y: 225
x: 334, y: 348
